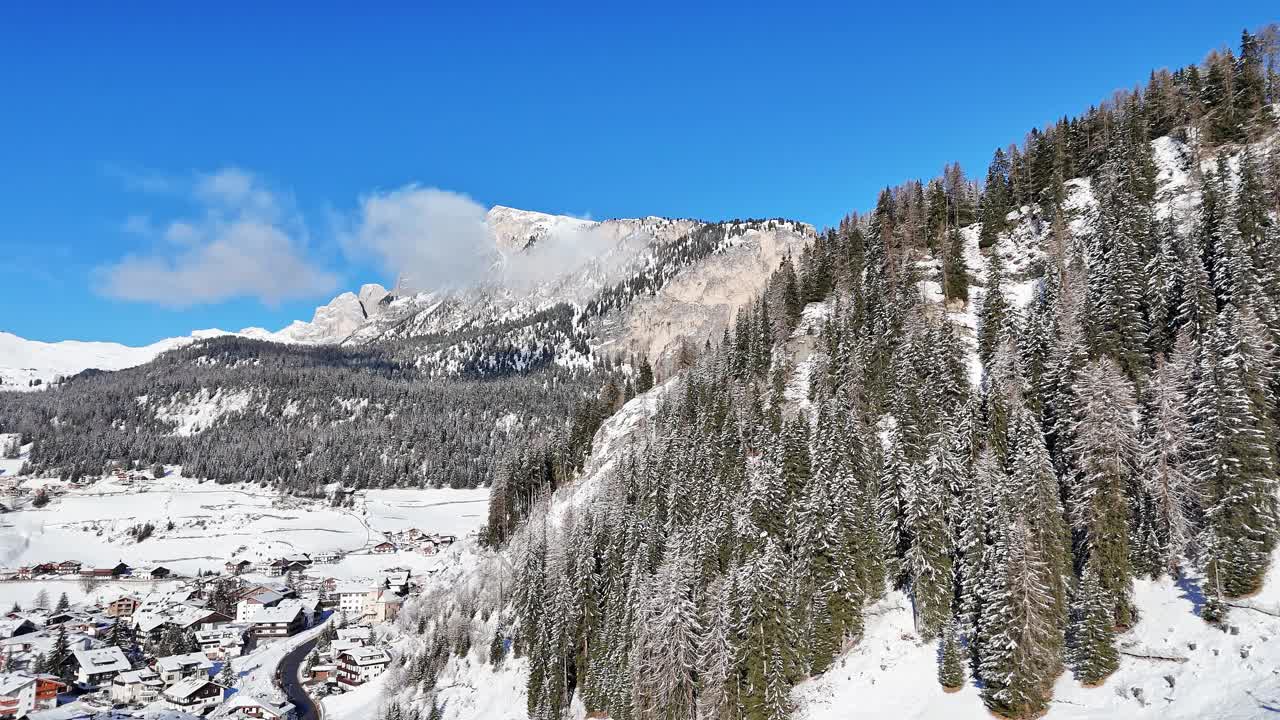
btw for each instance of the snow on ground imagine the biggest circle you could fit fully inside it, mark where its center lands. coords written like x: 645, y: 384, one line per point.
x: 1230, y: 675
x: 191, y: 416
x: 213, y: 523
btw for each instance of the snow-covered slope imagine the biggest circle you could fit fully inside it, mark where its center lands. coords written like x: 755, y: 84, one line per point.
x: 23, y: 361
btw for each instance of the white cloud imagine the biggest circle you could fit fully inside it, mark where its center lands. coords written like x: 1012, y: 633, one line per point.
x: 241, y: 244
x: 429, y: 238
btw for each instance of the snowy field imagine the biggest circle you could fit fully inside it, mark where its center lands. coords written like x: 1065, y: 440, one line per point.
x: 214, y: 523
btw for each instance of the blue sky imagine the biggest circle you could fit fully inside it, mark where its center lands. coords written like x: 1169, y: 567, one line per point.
x: 146, y: 148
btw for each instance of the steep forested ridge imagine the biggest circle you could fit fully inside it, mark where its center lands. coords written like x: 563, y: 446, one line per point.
x: 1123, y: 425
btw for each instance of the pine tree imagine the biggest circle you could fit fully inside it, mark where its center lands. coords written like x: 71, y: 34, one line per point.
x: 1106, y: 448
x: 63, y: 603
x: 950, y: 659
x: 1093, y: 650
x: 927, y: 563
x: 994, y: 316
x: 1021, y: 659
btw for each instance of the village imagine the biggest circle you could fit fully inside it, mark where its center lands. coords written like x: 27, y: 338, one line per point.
x: 187, y: 642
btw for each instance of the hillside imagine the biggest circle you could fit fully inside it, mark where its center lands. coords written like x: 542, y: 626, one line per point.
x: 1005, y: 449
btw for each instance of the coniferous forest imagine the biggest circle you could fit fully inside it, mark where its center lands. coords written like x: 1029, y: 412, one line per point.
x: 1010, y: 466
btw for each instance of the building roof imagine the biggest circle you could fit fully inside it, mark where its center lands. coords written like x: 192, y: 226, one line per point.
x: 101, y: 660
x: 248, y: 700
x: 174, y: 663
x: 185, y: 688
x: 364, y: 656
x: 264, y: 597
x: 145, y: 676
x: 287, y: 611
x: 13, y: 683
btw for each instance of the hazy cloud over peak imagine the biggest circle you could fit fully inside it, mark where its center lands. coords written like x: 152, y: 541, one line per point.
x: 239, y: 243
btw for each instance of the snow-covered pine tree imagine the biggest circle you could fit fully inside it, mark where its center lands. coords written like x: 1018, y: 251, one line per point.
x: 1093, y: 652
x: 950, y: 658
x: 1106, y: 448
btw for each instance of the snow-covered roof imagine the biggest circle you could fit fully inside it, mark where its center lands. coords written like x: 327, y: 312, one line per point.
x: 285, y: 612
x: 182, y: 615
x: 185, y: 688
x: 101, y: 660
x: 248, y: 700
x: 363, y: 656
x: 13, y: 683
x: 352, y: 589
x: 144, y: 676
x: 174, y: 663
x: 264, y: 597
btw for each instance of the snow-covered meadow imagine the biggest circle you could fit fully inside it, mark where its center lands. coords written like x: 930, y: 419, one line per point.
x: 198, y: 526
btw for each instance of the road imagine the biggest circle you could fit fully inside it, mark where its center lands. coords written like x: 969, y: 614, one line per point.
x: 308, y: 709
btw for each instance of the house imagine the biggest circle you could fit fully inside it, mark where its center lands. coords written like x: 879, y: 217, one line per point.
x: 17, y: 695
x: 13, y: 627
x: 236, y: 567
x: 47, y: 569
x: 384, y: 548
x: 123, y: 606
x: 153, y: 622
x: 387, y: 606
x: 222, y: 643
x: 283, y: 620
x: 69, y: 567
x: 160, y: 573
x: 328, y: 558
x: 358, y: 666
x: 192, y: 695
x: 106, y: 572
x: 397, y: 581
x: 247, y: 705
x: 249, y: 605
x: 24, y: 572
x: 428, y: 547
x: 48, y: 687
x: 99, y: 666
x: 355, y: 600
x: 322, y: 673
x: 180, y: 667
x: 136, y: 687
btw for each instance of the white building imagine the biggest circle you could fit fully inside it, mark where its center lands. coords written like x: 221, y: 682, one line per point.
x: 283, y: 620
x: 360, y: 665
x: 136, y: 687
x: 179, y: 667
x: 17, y: 695
x: 356, y: 601
x: 251, y: 604
x: 97, y: 667
x: 222, y: 643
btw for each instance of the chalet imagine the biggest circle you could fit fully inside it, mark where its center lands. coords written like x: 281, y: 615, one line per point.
x: 96, y: 667
x: 153, y: 623
x: 428, y: 547
x: 236, y: 567
x: 24, y: 572
x: 247, y: 705
x: 69, y: 567
x: 222, y: 643
x: 360, y: 665
x: 160, y: 573
x: 106, y: 572
x: 328, y: 558
x: 180, y: 667
x: 48, y: 687
x: 249, y: 605
x: 322, y: 673
x: 17, y: 695
x: 136, y: 687
x: 47, y: 569
x: 123, y: 606
x: 13, y: 627
x: 193, y: 695
x: 283, y: 620
x: 384, y: 548
x: 397, y: 581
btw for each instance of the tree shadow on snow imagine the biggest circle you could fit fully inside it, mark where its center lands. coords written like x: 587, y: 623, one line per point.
x: 1191, y: 591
